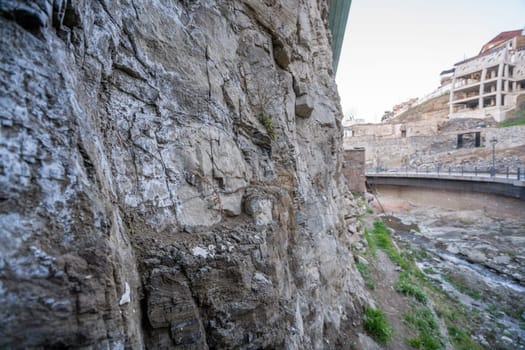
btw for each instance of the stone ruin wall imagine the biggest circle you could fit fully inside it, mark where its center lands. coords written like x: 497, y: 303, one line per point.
x: 393, y: 130
x: 354, y: 170
x: 171, y: 175
x: 432, y: 150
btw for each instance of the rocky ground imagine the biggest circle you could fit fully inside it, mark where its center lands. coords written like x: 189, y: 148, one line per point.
x: 380, y: 278
x: 476, y: 256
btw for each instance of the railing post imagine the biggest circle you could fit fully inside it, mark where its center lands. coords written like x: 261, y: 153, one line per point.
x: 519, y: 173
x: 417, y: 170
x: 448, y: 171
x: 507, y: 172
x: 462, y: 170
x: 475, y: 171
x: 437, y: 169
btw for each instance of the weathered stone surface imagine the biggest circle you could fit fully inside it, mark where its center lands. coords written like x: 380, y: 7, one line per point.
x: 367, y: 343
x: 304, y: 106
x: 476, y: 256
x: 143, y: 204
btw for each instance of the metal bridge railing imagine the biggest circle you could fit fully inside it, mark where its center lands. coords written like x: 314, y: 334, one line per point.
x: 513, y: 173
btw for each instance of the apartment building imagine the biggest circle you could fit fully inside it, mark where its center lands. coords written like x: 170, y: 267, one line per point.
x: 488, y: 84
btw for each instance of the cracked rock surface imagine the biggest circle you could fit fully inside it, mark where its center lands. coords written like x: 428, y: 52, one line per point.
x: 170, y: 177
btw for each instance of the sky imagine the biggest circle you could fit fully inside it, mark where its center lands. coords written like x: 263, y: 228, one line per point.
x: 395, y: 50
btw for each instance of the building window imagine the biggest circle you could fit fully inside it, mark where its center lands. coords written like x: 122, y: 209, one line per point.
x: 403, y: 133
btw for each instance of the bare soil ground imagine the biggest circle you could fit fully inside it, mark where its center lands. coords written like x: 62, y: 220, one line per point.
x: 384, y: 274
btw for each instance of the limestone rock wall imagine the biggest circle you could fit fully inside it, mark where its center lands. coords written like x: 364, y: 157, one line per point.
x: 170, y: 176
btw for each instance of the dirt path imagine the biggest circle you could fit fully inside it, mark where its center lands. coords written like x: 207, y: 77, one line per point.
x: 393, y: 304
x: 384, y: 274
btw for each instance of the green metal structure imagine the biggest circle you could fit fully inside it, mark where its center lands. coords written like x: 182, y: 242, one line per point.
x: 337, y: 19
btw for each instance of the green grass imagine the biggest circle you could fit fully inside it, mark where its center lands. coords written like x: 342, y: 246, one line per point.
x: 461, y: 339
x: 461, y: 286
x: 518, y: 115
x: 422, y: 320
x: 512, y: 122
x: 267, y: 122
x: 407, y: 284
x: 514, y: 312
x: 456, y: 317
x: 412, y: 282
x: 410, y: 277
x: 418, y: 254
x: 379, y: 237
x: 365, y: 273
x: 372, y: 247
x: 429, y: 271
x: 376, y: 325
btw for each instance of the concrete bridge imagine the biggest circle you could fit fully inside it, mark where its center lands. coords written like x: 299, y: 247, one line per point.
x: 509, y: 186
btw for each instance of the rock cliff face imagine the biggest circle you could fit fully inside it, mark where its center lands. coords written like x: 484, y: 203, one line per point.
x: 170, y: 175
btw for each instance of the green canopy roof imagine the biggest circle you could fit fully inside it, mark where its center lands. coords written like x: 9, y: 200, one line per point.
x: 337, y: 21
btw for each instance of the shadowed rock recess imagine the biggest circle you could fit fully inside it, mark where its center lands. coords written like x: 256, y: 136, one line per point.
x: 170, y: 177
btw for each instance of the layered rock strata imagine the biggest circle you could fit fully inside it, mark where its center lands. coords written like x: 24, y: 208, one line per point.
x: 170, y: 177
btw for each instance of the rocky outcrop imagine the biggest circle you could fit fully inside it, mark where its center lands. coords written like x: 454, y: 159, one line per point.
x: 170, y: 176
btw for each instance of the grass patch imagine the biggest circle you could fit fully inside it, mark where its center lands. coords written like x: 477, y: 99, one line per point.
x: 461, y: 286
x: 418, y: 254
x: 518, y: 114
x: 376, y: 325
x: 410, y: 278
x: 380, y: 237
x: 408, y: 285
x: 456, y: 317
x: 365, y: 273
x: 514, y: 312
x: 267, y: 122
x: 422, y: 320
x: 429, y: 271
x: 461, y: 339
x: 412, y: 282
x: 372, y: 246
x: 512, y: 122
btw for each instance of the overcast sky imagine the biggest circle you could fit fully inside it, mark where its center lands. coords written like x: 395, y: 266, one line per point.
x: 395, y: 50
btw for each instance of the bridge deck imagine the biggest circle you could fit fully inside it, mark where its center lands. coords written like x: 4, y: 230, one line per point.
x: 500, y: 185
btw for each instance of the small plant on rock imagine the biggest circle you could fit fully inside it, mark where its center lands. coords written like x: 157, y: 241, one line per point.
x: 267, y: 122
